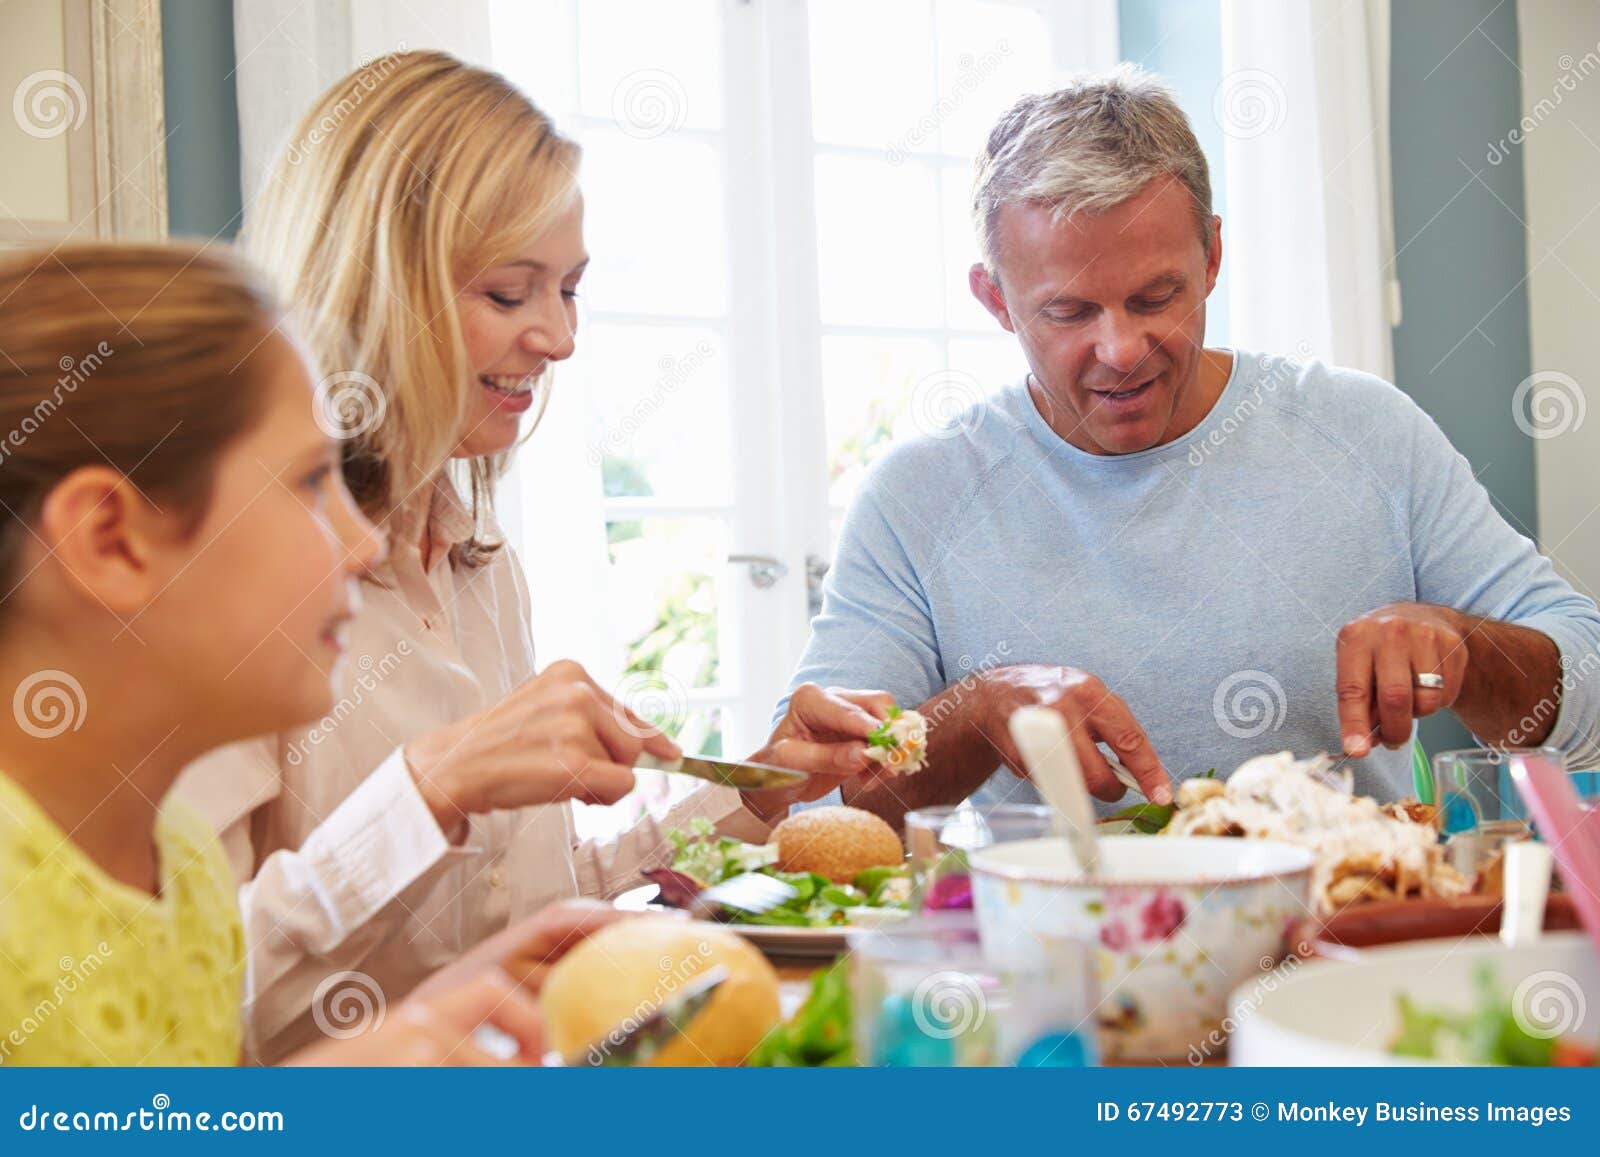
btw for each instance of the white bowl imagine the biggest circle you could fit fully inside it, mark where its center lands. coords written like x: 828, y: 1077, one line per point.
x: 1339, y: 1012
x: 1180, y: 922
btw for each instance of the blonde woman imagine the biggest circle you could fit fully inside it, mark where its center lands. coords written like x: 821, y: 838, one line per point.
x: 430, y: 238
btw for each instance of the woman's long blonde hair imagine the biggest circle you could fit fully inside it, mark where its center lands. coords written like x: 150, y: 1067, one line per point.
x: 407, y: 178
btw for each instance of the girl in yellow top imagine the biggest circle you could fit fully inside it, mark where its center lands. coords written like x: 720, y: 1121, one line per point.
x: 178, y: 555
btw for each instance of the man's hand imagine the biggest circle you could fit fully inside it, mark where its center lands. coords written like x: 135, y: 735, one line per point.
x: 1380, y: 656
x: 1093, y: 715
x: 824, y: 732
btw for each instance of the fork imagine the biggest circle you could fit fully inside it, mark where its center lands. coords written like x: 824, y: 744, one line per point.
x: 752, y: 893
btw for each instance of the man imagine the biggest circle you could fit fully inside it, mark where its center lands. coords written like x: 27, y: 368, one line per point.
x: 1195, y: 555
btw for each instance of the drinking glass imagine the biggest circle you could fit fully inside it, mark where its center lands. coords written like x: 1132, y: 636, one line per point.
x: 939, y: 838
x: 925, y: 995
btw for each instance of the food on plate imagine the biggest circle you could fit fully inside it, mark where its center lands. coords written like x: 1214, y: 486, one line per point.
x: 625, y: 971
x: 1491, y: 1034
x: 837, y: 842
x: 1365, y: 851
x: 819, y: 1032
x: 703, y: 858
x: 901, y: 743
x: 1147, y: 819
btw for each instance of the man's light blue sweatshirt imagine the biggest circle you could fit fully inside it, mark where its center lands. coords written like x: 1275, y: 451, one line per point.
x: 1204, y: 580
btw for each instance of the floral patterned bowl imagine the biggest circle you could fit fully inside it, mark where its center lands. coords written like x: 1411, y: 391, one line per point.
x: 1181, y: 921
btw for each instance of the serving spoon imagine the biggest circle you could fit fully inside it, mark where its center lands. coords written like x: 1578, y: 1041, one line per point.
x: 1046, y: 749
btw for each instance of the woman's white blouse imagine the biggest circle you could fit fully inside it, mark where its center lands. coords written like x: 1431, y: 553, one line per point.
x: 345, y: 869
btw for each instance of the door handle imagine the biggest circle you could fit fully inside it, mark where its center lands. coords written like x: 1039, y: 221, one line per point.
x: 765, y: 570
x: 816, y: 571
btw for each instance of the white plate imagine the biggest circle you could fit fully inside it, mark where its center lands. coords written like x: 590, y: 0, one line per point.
x: 810, y: 943
x: 779, y: 939
x: 787, y: 940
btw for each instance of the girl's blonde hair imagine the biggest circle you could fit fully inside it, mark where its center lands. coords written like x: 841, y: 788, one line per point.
x: 148, y: 358
x: 407, y: 178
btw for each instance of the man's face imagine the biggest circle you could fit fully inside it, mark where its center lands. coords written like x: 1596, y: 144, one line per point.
x: 1110, y: 311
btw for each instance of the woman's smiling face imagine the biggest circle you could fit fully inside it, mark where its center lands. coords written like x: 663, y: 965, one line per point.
x: 517, y: 317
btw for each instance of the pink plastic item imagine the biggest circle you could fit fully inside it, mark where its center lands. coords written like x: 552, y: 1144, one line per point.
x: 1571, y: 828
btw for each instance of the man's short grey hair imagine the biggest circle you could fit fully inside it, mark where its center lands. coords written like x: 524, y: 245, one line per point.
x: 1088, y: 147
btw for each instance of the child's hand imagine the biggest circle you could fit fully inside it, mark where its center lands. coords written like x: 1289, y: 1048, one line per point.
x: 438, y: 1030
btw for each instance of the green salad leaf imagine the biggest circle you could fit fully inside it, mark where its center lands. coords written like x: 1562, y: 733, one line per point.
x: 819, y: 1032
x: 818, y: 901
x: 1487, y: 1034
x: 1146, y: 818
x: 879, y: 736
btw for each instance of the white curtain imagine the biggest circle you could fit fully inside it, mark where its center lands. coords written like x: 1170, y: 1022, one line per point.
x: 1309, y: 236
x: 289, y: 51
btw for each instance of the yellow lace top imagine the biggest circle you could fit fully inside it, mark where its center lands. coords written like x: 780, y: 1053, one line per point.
x: 93, y: 972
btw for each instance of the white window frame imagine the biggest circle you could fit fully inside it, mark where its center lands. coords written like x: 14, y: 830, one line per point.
x: 773, y: 331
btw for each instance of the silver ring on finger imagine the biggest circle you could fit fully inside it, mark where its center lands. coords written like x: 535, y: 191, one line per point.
x: 1430, y: 681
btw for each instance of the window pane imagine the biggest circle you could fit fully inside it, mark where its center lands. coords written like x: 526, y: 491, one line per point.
x: 960, y: 251
x: 868, y: 386
x: 653, y: 215
x: 989, y: 55
x: 652, y: 391
x: 993, y: 362
x: 872, y: 78
x: 878, y: 229
x: 663, y: 598
x: 533, y: 45
x: 651, y: 67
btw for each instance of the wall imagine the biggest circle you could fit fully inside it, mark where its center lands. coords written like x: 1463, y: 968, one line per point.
x: 34, y: 180
x: 1561, y: 157
x: 203, y: 197
x: 1462, y: 346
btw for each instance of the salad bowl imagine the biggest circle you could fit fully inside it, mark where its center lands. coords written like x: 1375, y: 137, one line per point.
x: 1493, y: 1004
x: 1177, y: 924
